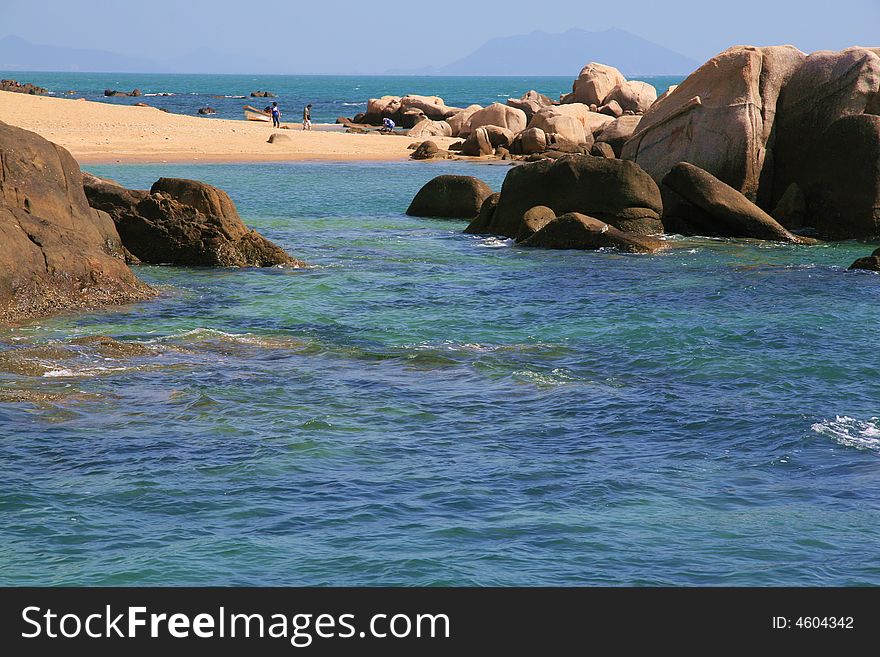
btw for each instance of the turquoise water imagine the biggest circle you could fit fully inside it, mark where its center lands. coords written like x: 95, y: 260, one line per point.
x: 331, y: 96
x: 424, y: 407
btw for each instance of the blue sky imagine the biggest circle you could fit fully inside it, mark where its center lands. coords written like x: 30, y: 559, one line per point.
x: 344, y: 36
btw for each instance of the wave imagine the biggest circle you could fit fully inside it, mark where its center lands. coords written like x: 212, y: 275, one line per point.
x: 161, y: 93
x: 495, y: 242
x: 850, y: 432
x: 354, y: 104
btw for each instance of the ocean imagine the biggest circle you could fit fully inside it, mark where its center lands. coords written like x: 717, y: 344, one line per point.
x: 425, y: 407
x: 331, y: 96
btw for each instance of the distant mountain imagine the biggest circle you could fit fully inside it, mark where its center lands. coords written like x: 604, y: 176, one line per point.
x: 540, y: 54
x: 16, y: 54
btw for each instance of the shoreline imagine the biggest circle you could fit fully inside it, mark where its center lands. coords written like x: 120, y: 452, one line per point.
x: 102, y: 133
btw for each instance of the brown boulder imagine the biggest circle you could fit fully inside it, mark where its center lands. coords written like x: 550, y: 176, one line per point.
x: 594, y: 83
x: 577, y: 231
x: 184, y: 222
x: 615, y: 191
x: 56, y: 253
x: 617, y: 133
x: 603, y: 149
x: 433, y: 107
x: 480, y: 225
x: 458, y: 197
x: 460, y: 121
x: 429, y: 128
x: 428, y: 150
x: 592, y: 121
x: 731, y: 214
x: 633, y: 95
x: 530, y: 103
x: 534, y: 220
x: 721, y: 118
x: 869, y: 263
x: 499, y: 115
x: 484, y: 140
x: 531, y: 140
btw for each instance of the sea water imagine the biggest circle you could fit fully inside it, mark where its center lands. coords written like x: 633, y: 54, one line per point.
x: 331, y: 96
x: 424, y: 407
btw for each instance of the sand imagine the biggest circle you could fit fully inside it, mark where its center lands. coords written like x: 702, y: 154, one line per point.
x: 104, y: 133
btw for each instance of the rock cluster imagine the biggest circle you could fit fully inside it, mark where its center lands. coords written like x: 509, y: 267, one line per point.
x: 22, y: 88
x: 113, y: 93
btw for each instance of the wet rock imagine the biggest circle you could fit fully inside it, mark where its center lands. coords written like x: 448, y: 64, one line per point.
x: 458, y: 197
x: 577, y: 231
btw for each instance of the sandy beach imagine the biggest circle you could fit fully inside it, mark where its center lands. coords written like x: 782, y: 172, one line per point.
x: 100, y: 132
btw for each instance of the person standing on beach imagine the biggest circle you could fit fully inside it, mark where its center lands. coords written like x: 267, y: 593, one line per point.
x: 276, y: 116
x: 307, y: 117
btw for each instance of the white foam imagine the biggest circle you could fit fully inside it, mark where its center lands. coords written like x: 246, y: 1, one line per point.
x: 495, y: 243
x: 850, y: 432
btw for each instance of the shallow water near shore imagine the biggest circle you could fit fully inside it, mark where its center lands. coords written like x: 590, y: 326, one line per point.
x: 424, y: 407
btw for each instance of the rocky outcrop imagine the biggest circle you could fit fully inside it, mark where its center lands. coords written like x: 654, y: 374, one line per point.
x: 721, y: 118
x: 726, y: 212
x: 615, y: 191
x: 458, y: 197
x: 594, y: 83
x: 22, y: 88
x: 56, y: 253
x: 499, y: 115
x: 429, y: 150
x: 263, y: 94
x: 577, y: 231
x: 183, y: 222
x: 113, y: 93
x: 460, y: 121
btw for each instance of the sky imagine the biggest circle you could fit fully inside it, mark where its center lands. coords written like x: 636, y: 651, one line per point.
x: 347, y: 36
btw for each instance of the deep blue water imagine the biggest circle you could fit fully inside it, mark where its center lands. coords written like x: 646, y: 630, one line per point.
x: 331, y: 96
x: 426, y: 407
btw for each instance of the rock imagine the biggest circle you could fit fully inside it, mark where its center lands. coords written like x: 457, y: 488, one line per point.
x: 459, y: 122
x: 566, y: 129
x: 412, y: 117
x: 263, y: 94
x: 56, y: 253
x: 478, y: 144
x: 633, y: 96
x: 532, y: 140
x: 184, y: 222
x: 841, y: 182
x: 721, y: 119
x: 136, y: 93
x: 618, y: 132
x: 612, y: 109
x: 22, y: 88
x: 592, y: 121
x: 666, y: 93
x: 577, y: 231
x: 534, y: 220
x: 530, y: 103
x: 141, y: 105
x: 594, y: 83
x: 359, y: 118
x: 343, y: 120
x: 113, y: 93
x: 278, y: 137
x: 870, y: 263
x: 615, y: 191
x: 603, y: 149
x: 429, y: 128
x: 380, y: 108
x: 480, y: 225
x: 459, y: 197
x: 204, y: 110
x: 827, y: 88
x: 791, y: 208
x: 428, y: 150
x: 433, y: 107
x: 499, y: 115
x: 732, y: 214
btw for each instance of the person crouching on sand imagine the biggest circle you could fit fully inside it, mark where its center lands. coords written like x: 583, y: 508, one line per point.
x: 307, y: 117
x: 276, y: 116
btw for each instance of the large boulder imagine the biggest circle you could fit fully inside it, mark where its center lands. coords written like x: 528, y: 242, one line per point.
x: 530, y: 103
x: 868, y: 263
x: 534, y: 220
x: 721, y: 118
x: 460, y: 121
x: 429, y: 150
x: 433, y: 107
x: 501, y: 115
x: 592, y: 121
x: 594, y: 83
x: 531, y: 140
x: 633, y: 96
x: 841, y: 180
x: 429, y: 128
x: 184, y: 222
x: 56, y: 253
x: 615, y: 191
x: 480, y: 225
x: 565, y: 129
x: 484, y: 140
x: 618, y: 132
x: 380, y: 108
x: 578, y: 231
x: 458, y: 197
x: 727, y: 211
x: 832, y: 160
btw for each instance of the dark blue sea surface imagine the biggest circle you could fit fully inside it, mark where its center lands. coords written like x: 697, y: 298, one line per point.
x: 331, y: 96
x: 425, y: 407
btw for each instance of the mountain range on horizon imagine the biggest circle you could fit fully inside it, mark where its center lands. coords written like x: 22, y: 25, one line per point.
x: 535, y: 54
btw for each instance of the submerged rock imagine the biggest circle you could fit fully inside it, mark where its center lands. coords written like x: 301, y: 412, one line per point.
x: 56, y: 253
x: 457, y: 197
x: 577, y: 231
x: 184, y: 222
x: 869, y: 263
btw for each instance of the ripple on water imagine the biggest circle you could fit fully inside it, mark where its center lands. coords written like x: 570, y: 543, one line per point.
x: 851, y: 432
